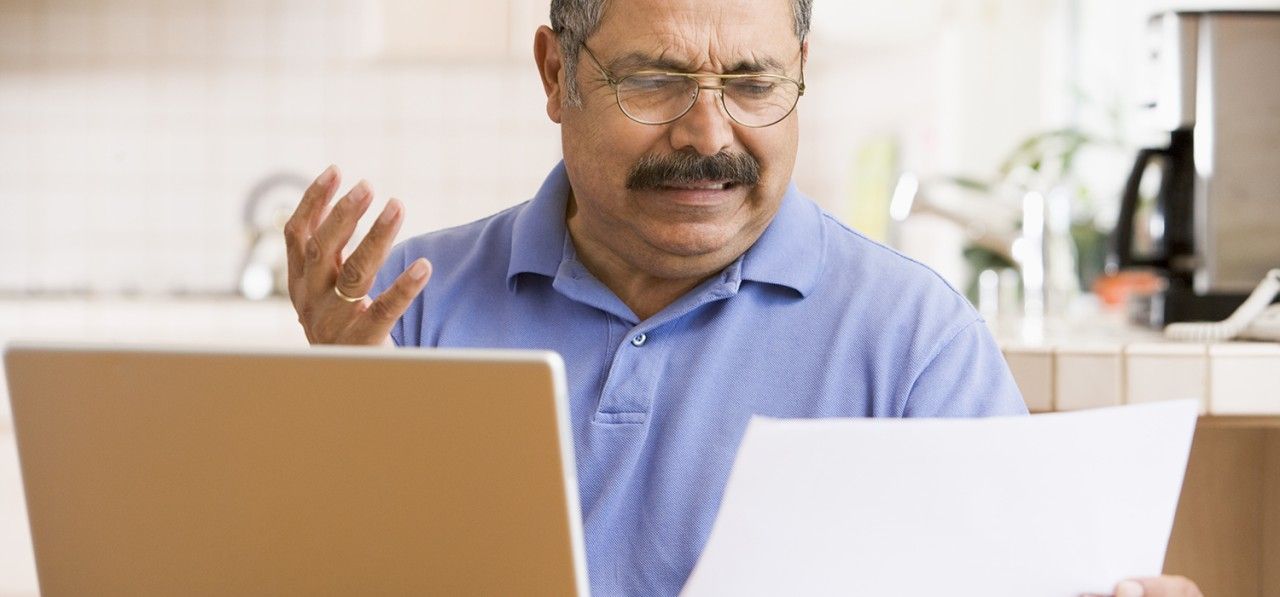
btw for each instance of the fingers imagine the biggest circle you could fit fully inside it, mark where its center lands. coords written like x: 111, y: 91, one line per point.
x: 303, y: 222
x: 1129, y: 588
x: 391, y: 304
x: 328, y: 183
x: 1163, y: 586
x: 357, y: 273
x: 325, y: 247
x: 315, y: 236
x: 1160, y: 586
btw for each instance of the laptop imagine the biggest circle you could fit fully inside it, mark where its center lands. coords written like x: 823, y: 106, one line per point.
x: 319, y: 471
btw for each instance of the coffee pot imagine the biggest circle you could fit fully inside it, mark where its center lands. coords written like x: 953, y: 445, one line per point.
x: 1203, y: 209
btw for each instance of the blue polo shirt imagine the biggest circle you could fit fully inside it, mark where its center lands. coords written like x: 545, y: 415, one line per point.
x: 814, y: 320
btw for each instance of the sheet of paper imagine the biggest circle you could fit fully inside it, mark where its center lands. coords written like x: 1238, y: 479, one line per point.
x: 1047, y: 505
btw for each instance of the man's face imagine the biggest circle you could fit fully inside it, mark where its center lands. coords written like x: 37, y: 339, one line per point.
x: 671, y: 232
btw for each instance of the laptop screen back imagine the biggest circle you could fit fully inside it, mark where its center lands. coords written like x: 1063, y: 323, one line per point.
x: 316, y: 472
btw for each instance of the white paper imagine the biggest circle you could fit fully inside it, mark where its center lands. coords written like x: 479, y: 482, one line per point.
x: 1047, y: 505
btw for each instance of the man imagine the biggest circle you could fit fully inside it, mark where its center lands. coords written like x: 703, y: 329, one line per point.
x: 668, y: 259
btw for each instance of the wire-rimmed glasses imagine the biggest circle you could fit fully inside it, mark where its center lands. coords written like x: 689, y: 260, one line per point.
x: 753, y: 100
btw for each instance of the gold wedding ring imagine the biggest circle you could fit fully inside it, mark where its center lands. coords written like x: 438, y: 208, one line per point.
x: 349, y: 299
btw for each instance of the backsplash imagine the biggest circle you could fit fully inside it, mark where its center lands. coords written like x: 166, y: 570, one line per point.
x: 132, y: 132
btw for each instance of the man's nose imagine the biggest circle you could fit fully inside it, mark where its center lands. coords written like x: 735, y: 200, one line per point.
x: 705, y: 128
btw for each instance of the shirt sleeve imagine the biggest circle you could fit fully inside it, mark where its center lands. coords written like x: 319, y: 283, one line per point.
x: 968, y: 377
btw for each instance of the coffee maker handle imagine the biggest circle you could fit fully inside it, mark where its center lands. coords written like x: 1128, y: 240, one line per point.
x: 1121, y: 254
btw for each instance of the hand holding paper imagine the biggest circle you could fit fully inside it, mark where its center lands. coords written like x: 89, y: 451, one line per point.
x: 1160, y: 586
x: 1053, y: 505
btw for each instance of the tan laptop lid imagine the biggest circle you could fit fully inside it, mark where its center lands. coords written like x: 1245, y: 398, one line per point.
x: 317, y: 472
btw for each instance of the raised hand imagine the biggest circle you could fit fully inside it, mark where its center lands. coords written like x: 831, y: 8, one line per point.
x: 330, y: 294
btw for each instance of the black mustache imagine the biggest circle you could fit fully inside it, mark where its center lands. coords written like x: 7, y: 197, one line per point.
x: 654, y: 171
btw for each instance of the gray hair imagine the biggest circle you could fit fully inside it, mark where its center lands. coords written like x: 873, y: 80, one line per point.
x: 575, y: 20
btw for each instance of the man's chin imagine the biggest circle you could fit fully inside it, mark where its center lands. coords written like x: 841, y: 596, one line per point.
x: 692, y: 246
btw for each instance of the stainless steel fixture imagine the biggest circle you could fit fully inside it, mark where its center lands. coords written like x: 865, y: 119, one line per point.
x: 1213, y: 227
x: 1016, y: 221
x: 263, y: 272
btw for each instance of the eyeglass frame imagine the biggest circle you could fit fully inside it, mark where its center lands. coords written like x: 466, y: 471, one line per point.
x: 614, y: 83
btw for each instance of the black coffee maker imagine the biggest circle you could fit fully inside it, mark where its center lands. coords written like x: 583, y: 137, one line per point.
x: 1211, y: 229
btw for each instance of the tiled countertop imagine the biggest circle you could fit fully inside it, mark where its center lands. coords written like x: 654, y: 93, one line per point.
x: 1101, y: 361
x: 1083, y: 362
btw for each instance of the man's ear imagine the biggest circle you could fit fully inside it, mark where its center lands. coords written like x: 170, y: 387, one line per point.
x: 546, y: 52
x: 804, y: 51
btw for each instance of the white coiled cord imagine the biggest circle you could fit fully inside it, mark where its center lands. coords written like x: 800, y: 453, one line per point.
x: 1235, y: 324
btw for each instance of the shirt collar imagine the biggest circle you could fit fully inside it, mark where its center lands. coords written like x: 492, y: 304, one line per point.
x: 789, y: 253
x: 538, y: 234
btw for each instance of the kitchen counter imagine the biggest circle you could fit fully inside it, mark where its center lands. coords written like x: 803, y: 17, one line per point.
x: 1103, y: 361
x: 1060, y: 364
x: 212, y: 319
x: 1221, y: 537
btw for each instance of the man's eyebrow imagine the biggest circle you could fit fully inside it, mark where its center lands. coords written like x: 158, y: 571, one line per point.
x: 641, y: 61
x: 764, y: 64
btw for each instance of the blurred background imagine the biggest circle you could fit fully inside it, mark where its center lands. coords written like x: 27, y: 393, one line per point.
x: 144, y: 144
x: 150, y: 150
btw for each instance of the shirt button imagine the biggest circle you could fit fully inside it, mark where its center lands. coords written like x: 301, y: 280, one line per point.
x: 639, y: 340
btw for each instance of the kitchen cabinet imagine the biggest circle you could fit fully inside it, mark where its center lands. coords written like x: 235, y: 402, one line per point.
x: 1226, y: 534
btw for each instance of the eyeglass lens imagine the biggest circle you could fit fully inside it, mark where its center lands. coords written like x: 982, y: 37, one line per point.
x: 657, y: 98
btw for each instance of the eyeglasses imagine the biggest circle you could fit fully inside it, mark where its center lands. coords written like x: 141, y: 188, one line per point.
x: 752, y: 100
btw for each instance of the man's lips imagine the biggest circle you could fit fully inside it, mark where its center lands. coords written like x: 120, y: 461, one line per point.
x: 701, y: 194
x: 700, y: 185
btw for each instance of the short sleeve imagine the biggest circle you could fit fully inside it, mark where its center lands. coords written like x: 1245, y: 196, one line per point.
x: 968, y: 377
